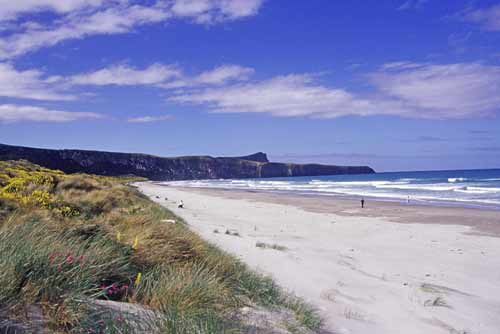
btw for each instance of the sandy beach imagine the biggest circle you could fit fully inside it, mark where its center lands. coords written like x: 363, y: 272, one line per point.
x: 387, y: 268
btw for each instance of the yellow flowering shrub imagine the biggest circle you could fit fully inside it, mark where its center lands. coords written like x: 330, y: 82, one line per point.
x: 67, y: 211
x: 41, y: 198
x: 31, y: 185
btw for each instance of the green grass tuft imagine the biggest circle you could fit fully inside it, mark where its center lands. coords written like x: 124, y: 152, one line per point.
x: 67, y: 241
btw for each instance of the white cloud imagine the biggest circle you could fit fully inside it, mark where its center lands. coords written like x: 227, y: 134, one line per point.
x: 9, y: 10
x: 126, y: 75
x: 442, y: 91
x: 290, y: 95
x: 149, y: 119
x: 165, y: 76
x: 80, y: 19
x: 35, y: 84
x: 223, y: 74
x: 402, y: 89
x: 210, y: 11
x: 17, y: 113
x: 412, y: 4
x: 191, y: 8
x: 218, y: 76
x: 240, y: 8
x: 29, y: 84
x: 405, y: 89
x: 112, y: 20
x: 488, y: 18
x: 400, y: 65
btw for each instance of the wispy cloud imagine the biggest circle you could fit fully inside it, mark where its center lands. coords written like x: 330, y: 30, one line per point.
x: 212, y: 11
x: 10, y: 10
x: 224, y: 73
x: 160, y: 75
x: 403, y: 89
x: 35, y: 84
x: 442, y: 90
x: 488, y: 18
x: 289, y: 95
x: 124, y: 75
x: 29, y: 84
x: 217, y: 76
x: 353, y: 66
x: 112, y: 20
x: 149, y: 119
x: 17, y: 113
x: 412, y: 4
x: 79, y: 19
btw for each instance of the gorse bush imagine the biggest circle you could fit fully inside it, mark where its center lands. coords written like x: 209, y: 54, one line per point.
x: 69, y: 240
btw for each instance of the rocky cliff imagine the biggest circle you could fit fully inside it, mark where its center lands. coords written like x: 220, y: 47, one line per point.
x: 178, y: 168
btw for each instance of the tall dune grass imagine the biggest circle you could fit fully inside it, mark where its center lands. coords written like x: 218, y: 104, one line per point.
x: 68, y: 240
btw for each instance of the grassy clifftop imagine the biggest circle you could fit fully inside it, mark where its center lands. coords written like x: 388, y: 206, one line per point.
x: 89, y: 254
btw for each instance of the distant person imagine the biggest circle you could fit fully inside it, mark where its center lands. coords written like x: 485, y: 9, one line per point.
x: 180, y: 205
x: 362, y: 203
x: 408, y: 200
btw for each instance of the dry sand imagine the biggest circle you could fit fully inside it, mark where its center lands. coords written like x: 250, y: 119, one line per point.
x: 388, y: 268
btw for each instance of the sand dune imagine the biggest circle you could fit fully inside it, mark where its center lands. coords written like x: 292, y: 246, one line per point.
x: 386, y: 269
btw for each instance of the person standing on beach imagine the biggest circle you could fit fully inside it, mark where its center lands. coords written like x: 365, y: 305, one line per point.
x: 362, y: 203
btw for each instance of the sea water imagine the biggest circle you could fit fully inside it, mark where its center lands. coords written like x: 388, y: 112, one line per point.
x: 468, y: 188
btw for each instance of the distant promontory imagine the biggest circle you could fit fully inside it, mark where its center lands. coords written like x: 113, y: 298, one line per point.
x: 176, y: 168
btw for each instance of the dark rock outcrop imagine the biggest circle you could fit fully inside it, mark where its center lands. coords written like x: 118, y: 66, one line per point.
x: 259, y: 157
x: 178, y: 168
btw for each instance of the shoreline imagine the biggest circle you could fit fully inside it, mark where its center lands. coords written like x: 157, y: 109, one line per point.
x: 480, y: 219
x: 466, y: 204
x: 388, y: 268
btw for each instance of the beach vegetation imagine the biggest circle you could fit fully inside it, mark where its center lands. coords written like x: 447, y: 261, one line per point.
x: 94, y: 255
x: 264, y: 245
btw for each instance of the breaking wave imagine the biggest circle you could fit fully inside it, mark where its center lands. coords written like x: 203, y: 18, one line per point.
x: 459, y: 187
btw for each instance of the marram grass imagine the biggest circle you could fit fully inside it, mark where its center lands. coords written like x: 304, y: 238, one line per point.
x: 69, y: 240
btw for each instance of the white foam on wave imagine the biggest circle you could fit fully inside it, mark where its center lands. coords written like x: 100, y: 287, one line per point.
x: 456, y: 179
x: 480, y: 191
x: 425, y: 187
x: 356, y: 183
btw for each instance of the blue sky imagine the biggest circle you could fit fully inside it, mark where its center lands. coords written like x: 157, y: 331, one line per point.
x: 397, y: 85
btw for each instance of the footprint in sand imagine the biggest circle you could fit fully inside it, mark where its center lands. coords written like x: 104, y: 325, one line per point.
x: 335, y: 295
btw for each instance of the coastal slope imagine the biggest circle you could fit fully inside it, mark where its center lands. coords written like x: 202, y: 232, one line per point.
x: 163, y: 169
x: 89, y: 254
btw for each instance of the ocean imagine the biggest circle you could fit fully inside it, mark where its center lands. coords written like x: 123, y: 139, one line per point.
x: 466, y: 188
